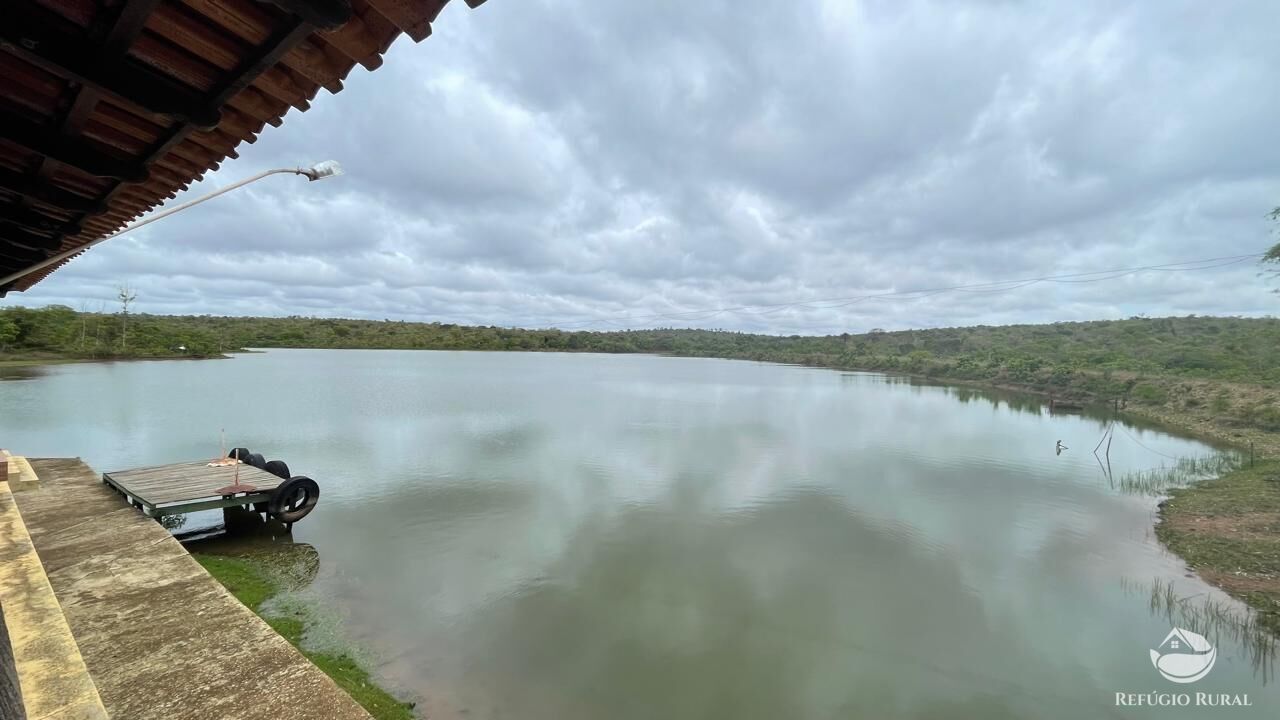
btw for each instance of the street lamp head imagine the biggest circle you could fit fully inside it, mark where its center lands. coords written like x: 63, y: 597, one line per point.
x: 321, y: 170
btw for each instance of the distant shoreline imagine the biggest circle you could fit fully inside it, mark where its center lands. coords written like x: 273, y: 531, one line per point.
x: 27, y: 361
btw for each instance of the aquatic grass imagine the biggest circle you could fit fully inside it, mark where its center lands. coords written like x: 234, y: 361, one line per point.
x: 1216, y: 620
x: 1226, y: 529
x: 257, y: 584
x: 1216, y: 518
x: 1181, y: 474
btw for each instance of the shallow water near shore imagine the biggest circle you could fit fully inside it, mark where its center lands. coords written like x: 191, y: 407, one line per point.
x: 584, y: 536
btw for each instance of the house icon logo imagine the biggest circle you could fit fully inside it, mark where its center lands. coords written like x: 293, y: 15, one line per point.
x: 1184, y: 657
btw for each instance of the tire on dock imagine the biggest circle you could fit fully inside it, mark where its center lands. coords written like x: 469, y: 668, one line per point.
x: 294, y: 499
x: 256, y: 460
x: 277, y: 468
x: 241, y: 454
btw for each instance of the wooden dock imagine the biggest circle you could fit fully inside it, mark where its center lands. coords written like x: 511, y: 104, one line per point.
x: 187, y: 487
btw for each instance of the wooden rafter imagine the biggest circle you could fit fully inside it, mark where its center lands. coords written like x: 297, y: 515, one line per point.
x: 69, y: 151
x: 30, y: 33
x: 412, y: 16
x: 119, y: 33
x: 27, y: 219
x: 21, y: 237
x: 30, y: 188
x: 275, y: 48
x: 323, y: 14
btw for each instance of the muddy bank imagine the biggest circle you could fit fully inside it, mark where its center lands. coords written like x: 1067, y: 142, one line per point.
x: 1228, y: 531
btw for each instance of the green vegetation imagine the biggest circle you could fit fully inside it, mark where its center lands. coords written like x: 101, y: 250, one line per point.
x: 1233, y: 349
x: 1228, y: 530
x: 1215, y: 377
x: 1183, y: 473
x: 253, y: 584
x: 58, y: 333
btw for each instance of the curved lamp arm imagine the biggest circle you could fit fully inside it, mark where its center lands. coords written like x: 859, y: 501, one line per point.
x: 319, y: 171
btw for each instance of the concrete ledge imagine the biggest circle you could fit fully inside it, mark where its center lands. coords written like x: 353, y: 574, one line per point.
x: 18, y: 472
x: 51, y: 673
x: 162, y: 638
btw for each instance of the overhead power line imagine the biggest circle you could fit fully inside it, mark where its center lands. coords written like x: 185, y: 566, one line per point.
x: 971, y: 288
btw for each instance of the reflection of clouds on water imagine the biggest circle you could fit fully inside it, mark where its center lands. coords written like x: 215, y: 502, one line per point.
x: 556, y: 535
x: 766, y: 613
x: 594, y: 543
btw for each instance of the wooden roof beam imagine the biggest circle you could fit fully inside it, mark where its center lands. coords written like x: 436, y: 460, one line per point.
x: 275, y: 48
x: 68, y: 151
x: 38, y: 223
x: 15, y: 256
x: 215, y: 143
x: 32, y: 33
x: 357, y: 42
x: 126, y: 26
x: 319, y: 63
x: 240, y: 125
x: 323, y: 14
x: 28, y: 187
x: 22, y: 237
x: 261, y: 107
x: 118, y: 30
x: 414, y: 17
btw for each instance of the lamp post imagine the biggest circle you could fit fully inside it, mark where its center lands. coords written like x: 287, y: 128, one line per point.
x: 319, y: 171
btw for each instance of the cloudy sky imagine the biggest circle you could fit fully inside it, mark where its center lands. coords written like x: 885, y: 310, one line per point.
x: 615, y: 164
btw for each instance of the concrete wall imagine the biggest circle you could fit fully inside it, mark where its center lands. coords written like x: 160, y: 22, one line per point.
x: 37, y: 642
x: 10, y: 693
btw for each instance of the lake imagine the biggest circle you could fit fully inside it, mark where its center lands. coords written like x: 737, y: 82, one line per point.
x: 536, y: 536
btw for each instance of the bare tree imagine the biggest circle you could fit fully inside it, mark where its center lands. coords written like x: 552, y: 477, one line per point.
x: 84, y: 323
x: 126, y: 297
x: 97, y: 326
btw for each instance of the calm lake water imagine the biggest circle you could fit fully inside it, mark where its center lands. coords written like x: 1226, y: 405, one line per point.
x: 589, y: 536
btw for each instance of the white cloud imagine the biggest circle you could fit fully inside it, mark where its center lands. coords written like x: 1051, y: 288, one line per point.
x: 540, y: 160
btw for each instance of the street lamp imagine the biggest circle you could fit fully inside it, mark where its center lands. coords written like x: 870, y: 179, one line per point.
x: 319, y: 171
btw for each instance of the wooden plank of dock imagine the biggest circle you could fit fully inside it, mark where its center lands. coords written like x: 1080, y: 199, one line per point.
x: 161, y: 638
x: 186, y: 482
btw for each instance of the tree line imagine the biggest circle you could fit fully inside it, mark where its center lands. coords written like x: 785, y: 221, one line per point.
x: 1225, y: 348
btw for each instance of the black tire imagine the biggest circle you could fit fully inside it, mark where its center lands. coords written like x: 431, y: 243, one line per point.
x: 294, y: 499
x: 240, y: 454
x: 256, y: 460
x: 277, y: 468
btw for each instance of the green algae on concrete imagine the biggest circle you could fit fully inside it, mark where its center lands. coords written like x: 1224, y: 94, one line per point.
x: 253, y: 584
